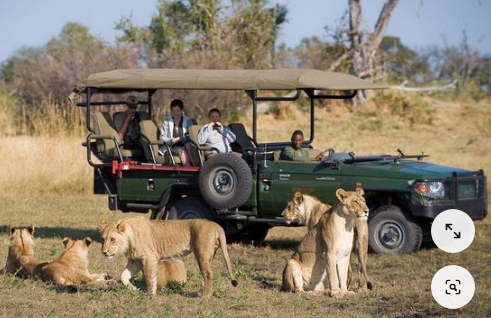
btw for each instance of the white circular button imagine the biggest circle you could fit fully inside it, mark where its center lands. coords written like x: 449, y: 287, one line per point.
x: 453, y: 287
x: 453, y: 231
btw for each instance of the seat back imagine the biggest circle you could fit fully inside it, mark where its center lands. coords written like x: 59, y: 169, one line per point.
x: 149, y: 130
x: 103, y: 126
x: 196, y: 154
x: 241, y: 137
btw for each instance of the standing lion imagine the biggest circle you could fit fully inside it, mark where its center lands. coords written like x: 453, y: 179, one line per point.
x: 146, y: 242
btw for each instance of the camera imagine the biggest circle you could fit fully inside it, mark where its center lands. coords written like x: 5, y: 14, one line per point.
x: 216, y: 127
x: 136, y: 116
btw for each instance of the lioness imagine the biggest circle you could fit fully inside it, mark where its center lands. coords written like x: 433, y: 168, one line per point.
x: 322, y: 258
x: 71, y: 267
x: 309, y: 209
x: 145, y: 242
x: 21, y: 260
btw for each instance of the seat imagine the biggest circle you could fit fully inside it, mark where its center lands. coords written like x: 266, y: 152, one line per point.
x: 197, y: 151
x: 106, y: 138
x: 242, y: 140
x: 151, y: 144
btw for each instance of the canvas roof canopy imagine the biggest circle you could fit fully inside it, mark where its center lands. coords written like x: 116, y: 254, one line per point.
x: 270, y: 79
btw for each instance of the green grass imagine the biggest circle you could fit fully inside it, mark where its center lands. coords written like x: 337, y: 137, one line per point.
x: 402, y: 282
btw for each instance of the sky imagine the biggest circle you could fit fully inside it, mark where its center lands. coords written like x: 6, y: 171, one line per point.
x: 419, y: 23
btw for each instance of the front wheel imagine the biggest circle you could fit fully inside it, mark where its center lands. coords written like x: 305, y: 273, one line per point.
x: 391, y: 231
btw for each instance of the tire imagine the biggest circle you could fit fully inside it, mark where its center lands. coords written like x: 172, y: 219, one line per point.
x: 190, y: 208
x: 391, y: 231
x: 225, y: 182
x: 253, y: 234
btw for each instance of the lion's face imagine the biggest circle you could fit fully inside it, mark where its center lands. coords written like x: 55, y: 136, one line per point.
x: 293, y: 209
x: 353, y: 202
x: 113, y: 239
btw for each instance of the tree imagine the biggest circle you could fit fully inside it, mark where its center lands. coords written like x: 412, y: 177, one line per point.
x: 363, y: 47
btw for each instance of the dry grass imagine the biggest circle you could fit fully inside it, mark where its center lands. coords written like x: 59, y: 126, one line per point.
x: 47, y: 182
x: 402, y: 282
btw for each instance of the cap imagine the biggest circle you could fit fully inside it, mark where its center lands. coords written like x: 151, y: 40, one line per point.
x: 132, y: 100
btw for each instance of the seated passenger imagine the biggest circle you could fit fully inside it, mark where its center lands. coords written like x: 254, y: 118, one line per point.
x: 215, y: 135
x: 295, y: 152
x: 174, y: 131
x: 127, y: 124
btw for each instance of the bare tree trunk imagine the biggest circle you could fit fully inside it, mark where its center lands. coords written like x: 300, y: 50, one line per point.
x: 363, y: 50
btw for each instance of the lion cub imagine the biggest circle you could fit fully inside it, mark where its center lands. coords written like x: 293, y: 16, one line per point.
x: 321, y: 260
x: 71, y: 267
x: 21, y: 260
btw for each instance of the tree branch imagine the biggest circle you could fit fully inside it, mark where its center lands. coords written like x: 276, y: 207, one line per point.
x: 449, y: 87
x: 382, y: 23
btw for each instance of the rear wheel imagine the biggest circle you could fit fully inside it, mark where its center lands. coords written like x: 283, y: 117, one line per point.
x: 190, y: 208
x: 252, y: 234
x: 391, y: 231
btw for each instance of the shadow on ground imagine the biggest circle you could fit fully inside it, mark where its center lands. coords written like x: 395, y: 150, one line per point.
x: 59, y: 232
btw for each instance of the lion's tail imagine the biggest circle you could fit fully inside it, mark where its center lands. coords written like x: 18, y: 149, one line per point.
x: 223, y: 244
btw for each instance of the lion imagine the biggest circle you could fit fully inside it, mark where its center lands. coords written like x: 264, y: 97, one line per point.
x: 145, y: 242
x: 71, y: 267
x: 309, y: 209
x: 321, y: 260
x: 21, y: 260
x: 170, y: 271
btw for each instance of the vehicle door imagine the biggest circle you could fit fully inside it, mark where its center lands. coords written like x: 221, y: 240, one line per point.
x: 279, y: 180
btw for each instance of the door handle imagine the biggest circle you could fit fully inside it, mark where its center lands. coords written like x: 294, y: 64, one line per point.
x: 284, y: 176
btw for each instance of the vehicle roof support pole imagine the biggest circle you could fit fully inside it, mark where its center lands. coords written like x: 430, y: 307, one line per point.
x: 150, y: 105
x: 312, y: 102
x: 253, y: 95
x: 87, y: 112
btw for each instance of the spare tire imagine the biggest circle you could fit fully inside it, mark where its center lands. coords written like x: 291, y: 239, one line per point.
x: 225, y: 181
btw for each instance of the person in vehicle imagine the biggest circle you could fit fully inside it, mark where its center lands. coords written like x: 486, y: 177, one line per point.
x: 127, y: 124
x: 215, y: 135
x: 295, y: 152
x: 174, y: 131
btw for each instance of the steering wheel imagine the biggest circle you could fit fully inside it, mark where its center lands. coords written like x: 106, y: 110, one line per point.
x: 328, y: 153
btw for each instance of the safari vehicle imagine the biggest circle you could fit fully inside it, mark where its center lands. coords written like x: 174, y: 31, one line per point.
x: 247, y: 195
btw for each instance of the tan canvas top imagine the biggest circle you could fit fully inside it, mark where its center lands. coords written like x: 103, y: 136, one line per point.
x: 272, y: 79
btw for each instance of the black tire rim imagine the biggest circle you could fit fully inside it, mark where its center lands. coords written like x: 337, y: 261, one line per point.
x: 223, y: 181
x: 390, y: 235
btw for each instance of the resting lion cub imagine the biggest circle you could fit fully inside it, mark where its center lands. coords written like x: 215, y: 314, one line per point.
x: 71, y: 267
x: 322, y: 258
x: 21, y: 260
x: 145, y: 242
x: 309, y: 209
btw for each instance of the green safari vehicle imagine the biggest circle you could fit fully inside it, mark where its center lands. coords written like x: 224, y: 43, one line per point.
x: 247, y: 195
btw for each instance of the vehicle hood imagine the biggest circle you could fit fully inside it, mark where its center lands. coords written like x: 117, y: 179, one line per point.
x: 405, y: 169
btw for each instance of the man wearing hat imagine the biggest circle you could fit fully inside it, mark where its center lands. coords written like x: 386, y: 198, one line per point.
x: 127, y: 124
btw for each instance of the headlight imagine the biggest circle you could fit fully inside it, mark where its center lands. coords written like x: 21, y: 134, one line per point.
x: 432, y: 189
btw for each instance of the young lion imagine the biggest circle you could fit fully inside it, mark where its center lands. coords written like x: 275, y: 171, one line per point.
x: 145, y: 242
x: 322, y: 258
x: 309, y: 209
x: 71, y: 267
x: 21, y: 260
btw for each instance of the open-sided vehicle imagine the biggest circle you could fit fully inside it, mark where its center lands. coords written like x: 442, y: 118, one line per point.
x: 247, y: 195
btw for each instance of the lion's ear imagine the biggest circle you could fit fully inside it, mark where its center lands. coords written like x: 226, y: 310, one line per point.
x: 360, y: 191
x: 12, y: 230
x: 65, y: 241
x: 102, y: 225
x: 342, y: 195
x: 298, y: 198
x: 31, y: 230
x: 121, y: 226
x: 87, y: 241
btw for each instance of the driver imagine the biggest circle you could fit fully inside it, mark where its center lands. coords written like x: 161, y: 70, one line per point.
x: 295, y: 152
